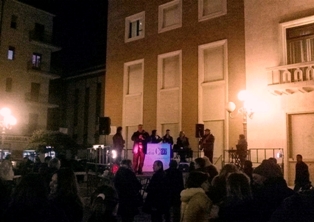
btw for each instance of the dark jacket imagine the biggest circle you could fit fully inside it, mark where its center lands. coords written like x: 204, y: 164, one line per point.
x: 157, y: 193
x: 136, y: 138
x: 269, y: 197
x: 128, y: 188
x: 71, y: 205
x: 302, y: 176
x: 174, y: 183
x: 240, y: 211
x: 298, y: 207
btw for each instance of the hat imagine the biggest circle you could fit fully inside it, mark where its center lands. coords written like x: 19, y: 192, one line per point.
x: 207, y: 129
x: 268, y: 169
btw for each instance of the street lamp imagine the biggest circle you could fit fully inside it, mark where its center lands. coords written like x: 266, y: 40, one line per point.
x: 245, y: 110
x: 6, y: 122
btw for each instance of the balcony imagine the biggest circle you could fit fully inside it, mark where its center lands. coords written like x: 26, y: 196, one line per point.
x: 43, y: 39
x: 38, y: 100
x: 293, y: 78
x: 41, y: 69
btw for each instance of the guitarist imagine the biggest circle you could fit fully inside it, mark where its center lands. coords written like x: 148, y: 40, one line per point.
x: 207, y: 144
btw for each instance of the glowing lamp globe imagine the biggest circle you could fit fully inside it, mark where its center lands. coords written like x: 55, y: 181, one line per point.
x: 243, y: 95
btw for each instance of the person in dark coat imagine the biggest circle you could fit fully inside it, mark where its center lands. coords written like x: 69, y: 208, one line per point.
x: 104, y: 202
x: 168, y: 139
x: 140, y: 138
x: 157, y: 200
x: 237, y: 205
x: 118, y: 143
x: 269, y: 189
x: 154, y: 138
x: 182, y: 146
x: 207, y: 144
x: 217, y: 191
x: 298, y: 207
x: 174, y: 183
x: 242, y: 149
x: 128, y: 188
x: 302, y: 175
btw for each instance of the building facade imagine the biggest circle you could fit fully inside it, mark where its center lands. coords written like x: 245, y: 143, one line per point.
x: 174, y: 64
x: 279, y: 74
x: 25, y: 53
x: 83, y: 104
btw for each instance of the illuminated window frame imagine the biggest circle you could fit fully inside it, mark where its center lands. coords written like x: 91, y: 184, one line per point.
x: 202, y: 17
x: 11, y: 53
x: 161, y: 12
x: 140, y: 28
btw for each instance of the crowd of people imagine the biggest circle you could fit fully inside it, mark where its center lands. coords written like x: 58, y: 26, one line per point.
x: 50, y: 192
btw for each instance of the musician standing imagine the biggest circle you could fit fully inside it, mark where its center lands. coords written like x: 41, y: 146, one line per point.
x: 207, y: 144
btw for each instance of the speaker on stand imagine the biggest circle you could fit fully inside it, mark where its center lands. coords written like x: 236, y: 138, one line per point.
x: 104, y: 127
x: 199, y: 132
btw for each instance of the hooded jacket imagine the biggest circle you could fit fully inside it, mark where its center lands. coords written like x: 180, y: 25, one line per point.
x: 195, y: 205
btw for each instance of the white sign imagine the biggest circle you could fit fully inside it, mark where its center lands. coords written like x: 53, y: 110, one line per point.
x: 156, y: 151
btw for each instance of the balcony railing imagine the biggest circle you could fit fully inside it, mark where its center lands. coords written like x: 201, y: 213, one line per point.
x: 44, y: 38
x: 41, y: 69
x: 289, y: 79
x: 38, y: 98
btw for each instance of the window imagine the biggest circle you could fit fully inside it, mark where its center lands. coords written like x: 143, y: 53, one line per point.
x: 133, y: 85
x: 13, y: 22
x: 212, y: 80
x: 208, y: 9
x: 39, y: 32
x: 35, y: 89
x: 169, y: 91
x: 170, y: 16
x: 300, y: 44
x: 11, y: 53
x: 298, y: 40
x: 8, y: 85
x: 135, y: 27
x: 36, y: 60
x: 169, y: 70
x: 32, y: 122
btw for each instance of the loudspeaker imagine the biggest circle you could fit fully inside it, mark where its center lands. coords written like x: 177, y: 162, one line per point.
x: 199, y: 130
x: 104, y: 125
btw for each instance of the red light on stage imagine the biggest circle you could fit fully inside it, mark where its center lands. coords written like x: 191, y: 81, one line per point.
x: 114, y: 168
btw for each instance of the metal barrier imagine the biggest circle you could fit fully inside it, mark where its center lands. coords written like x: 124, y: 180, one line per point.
x: 256, y: 155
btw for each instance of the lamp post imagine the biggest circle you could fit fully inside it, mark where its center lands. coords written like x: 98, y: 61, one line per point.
x: 6, y: 122
x: 245, y: 110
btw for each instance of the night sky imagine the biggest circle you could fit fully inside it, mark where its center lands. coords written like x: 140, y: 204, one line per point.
x: 80, y: 29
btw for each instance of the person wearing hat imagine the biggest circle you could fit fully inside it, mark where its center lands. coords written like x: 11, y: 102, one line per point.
x: 207, y: 144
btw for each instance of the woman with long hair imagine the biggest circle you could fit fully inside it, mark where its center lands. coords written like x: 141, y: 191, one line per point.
x: 29, y: 202
x: 64, y: 194
x: 238, y: 202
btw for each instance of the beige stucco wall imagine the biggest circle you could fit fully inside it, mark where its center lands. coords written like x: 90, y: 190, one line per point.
x: 263, y: 49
